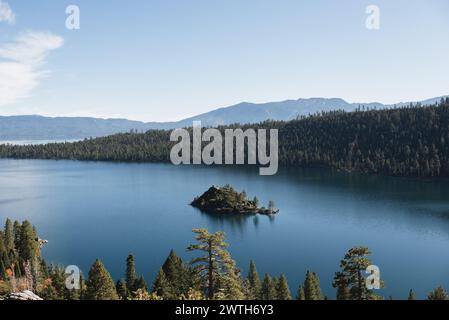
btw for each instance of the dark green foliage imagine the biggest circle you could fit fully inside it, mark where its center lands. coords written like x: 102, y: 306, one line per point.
x: 9, y: 236
x: 179, y: 275
x: 133, y: 281
x: 162, y: 286
x: 350, y: 282
x: 131, y: 274
x: 28, y: 247
x: 141, y: 284
x: 121, y: 289
x: 283, y: 291
x: 225, y: 200
x: 100, y: 285
x: 255, y: 285
x: 407, y: 141
x: 4, y: 261
x: 215, y: 268
x: 53, y: 286
x: 19, y: 247
x: 300, y: 294
x: 268, y: 288
x: 312, y: 289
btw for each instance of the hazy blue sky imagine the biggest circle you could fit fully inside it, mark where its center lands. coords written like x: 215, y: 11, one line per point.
x: 166, y: 60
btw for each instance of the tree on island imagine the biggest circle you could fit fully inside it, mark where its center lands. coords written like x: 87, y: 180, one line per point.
x: 271, y: 205
x: 256, y: 202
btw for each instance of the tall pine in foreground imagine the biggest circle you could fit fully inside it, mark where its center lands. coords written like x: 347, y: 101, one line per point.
x: 179, y: 276
x: 9, y: 237
x: 255, y: 285
x: 131, y: 274
x: 100, y: 285
x: 312, y: 289
x: 268, y: 291
x: 300, y: 294
x: 162, y: 287
x: 283, y: 291
x: 350, y: 282
x: 122, y: 291
x: 215, y: 268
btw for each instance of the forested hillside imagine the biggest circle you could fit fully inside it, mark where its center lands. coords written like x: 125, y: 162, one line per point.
x: 406, y: 141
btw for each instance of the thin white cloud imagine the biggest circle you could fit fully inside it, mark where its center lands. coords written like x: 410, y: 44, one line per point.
x: 21, y: 64
x: 6, y: 13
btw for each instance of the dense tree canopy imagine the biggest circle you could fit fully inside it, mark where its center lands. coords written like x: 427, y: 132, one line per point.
x: 406, y: 141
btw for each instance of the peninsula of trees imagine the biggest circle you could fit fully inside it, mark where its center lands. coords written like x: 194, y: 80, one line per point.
x: 407, y: 141
x: 225, y: 200
x: 211, y: 274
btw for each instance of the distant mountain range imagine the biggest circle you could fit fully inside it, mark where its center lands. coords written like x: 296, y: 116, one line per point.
x: 33, y: 127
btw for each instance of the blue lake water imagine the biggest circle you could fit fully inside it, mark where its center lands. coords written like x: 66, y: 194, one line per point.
x: 90, y: 210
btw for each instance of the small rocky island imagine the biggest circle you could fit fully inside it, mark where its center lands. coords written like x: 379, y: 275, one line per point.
x: 225, y: 200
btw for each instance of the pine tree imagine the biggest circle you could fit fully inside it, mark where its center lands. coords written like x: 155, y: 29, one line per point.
x: 131, y: 274
x: 283, y: 291
x: 28, y: 253
x: 411, y: 295
x: 162, y: 288
x: 100, y: 285
x: 215, y: 267
x: 268, y: 291
x: 3, y: 257
x: 312, y: 290
x: 230, y: 282
x: 178, y: 274
x: 301, y: 295
x: 341, y: 283
x: 16, y: 231
x: 353, y: 266
x: 141, y: 284
x: 438, y: 294
x: 271, y: 205
x: 9, y: 236
x: 254, y: 281
x: 256, y: 201
x: 121, y: 289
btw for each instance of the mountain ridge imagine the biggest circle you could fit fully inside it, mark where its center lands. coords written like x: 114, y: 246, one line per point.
x: 38, y: 127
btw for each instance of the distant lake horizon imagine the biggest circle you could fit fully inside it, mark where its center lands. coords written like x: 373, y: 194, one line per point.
x: 105, y: 210
x: 36, y: 142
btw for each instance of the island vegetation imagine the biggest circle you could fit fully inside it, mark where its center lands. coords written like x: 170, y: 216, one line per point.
x: 225, y: 200
x: 211, y: 274
x: 406, y: 141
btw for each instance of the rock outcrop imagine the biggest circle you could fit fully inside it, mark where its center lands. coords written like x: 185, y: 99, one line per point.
x: 24, y: 295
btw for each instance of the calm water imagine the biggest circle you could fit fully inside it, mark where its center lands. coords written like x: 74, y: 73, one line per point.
x: 93, y: 210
